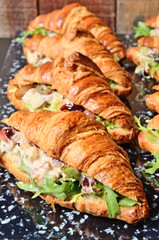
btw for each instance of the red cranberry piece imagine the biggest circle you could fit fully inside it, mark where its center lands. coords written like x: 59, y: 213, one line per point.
x: 9, y: 132
x: 85, y: 182
x: 72, y: 107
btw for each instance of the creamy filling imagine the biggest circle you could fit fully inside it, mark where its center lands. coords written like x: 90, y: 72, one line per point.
x: 36, y: 58
x: 38, y: 162
x: 39, y: 97
x: 43, y: 97
x: 154, y: 32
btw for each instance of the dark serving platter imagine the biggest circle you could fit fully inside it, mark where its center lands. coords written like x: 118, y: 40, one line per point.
x: 24, y: 218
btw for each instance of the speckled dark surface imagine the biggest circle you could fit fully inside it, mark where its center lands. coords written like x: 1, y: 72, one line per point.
x: 24, y: 218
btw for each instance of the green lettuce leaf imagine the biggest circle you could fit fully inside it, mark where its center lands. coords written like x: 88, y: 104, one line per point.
x: 127, y: 202
x: 108, y: 123
x: 141, y: 30
x: 153, y: 166
x: 24, y: 168
x: 112, y: 83
x: 74, y: 198
x: 110, y: 198
x: 72, y: 173
x: 36, y: 31
x: 116, y: 58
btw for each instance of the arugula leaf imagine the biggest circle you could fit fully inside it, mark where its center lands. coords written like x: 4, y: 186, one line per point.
x: 30, y: 187
x: 72, y: 172
x: 107, y: 123
x: 112, y: 83
x: 24, y: 168
x: 36, y: 31
x: 152, y: 134
x: 154, y: 69
x: 74, y: 198
x: 110, y: 124
x: 141, y: 30
x: 153, y: 166
x: 110, y: 198
x: 116, y: 58
x: 127, y: 202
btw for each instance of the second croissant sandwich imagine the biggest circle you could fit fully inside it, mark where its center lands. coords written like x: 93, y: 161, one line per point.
x: 69, y: 159
x: 77, y: 16
x: 40, y: 48
x: 74, y: 83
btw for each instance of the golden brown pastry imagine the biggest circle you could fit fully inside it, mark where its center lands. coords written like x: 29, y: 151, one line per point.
x: 65, y: 142
x: 74, y: 80
x: 153, y: 22
x: 77, y: 16
x: 148, y: 140
x: 83, y: 42
x: 152, y: 100
x: 137, y: 55
x: 151, y: 42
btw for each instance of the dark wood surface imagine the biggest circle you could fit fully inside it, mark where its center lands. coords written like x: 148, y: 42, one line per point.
x: 120, y: 15
x: 4, y: 45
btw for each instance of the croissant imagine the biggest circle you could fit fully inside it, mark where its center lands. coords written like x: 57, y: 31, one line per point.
x: 153, y: 22
x: 148, y: 141
x: 151, y: 42
x: 134, y: 55
x: 77, y: 81
x: 83, y: 42
x: 77, y: 16
x: 75, y: 144
x: 152, y: 100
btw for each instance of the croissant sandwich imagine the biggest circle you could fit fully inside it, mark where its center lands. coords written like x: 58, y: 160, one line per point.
x: 77, y: 16
x: 152, y: 100
x: 43, y: 48
x: 69, y: 159
x: 74, y: 83
x: 149, y: 28
x: 149, y: 136
x: 146, y: 60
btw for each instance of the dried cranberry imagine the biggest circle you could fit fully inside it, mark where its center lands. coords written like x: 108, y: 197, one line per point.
x: 72, y: 107
x: 9, y: 132
x: 85, y: 182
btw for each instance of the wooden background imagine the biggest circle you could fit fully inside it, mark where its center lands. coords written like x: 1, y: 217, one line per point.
x: 120, y: 15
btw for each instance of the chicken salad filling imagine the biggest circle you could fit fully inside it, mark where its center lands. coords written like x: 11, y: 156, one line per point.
x: 37, y: 97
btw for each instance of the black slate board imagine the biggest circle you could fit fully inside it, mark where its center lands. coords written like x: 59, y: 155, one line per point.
x: 24, y: 218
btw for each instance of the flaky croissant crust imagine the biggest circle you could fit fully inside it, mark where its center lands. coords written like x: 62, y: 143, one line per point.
x: 80, y: 80
x: 151, y: 42
x: 153, y: 22
x: 62, y: 45
x: 83, y: 143
x: 77, y: 16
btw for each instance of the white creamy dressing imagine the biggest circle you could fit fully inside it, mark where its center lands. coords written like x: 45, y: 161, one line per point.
x: 37, y: 58
x: 38, y: 162
x: 154, y: 32
x: 37, y: 99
